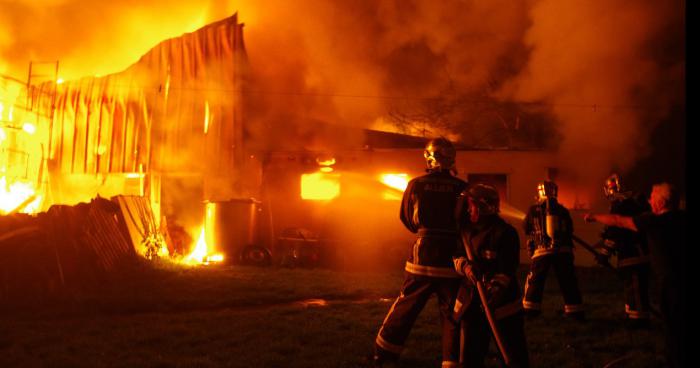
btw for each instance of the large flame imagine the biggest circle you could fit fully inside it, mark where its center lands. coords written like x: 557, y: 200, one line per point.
x: 20, y: 158
x: 16, y: 194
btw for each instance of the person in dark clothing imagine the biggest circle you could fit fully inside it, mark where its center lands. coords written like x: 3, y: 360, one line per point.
x: 428, y: 209
x: 664, y: 228
x: 495, y: 246
x: 550, y: 229
x: 631, y: 250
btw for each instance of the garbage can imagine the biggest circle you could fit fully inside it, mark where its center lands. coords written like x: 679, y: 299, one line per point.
x: 235, y: 230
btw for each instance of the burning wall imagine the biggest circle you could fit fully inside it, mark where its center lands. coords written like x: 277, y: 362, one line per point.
x: 176, y: 110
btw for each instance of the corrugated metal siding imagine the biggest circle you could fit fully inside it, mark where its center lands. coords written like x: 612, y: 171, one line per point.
x: 152, y: 114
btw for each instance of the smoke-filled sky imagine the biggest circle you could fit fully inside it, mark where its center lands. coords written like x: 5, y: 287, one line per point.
x: 605, y: 72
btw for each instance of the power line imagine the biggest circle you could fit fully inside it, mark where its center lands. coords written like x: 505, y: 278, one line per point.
x: 592, y: 106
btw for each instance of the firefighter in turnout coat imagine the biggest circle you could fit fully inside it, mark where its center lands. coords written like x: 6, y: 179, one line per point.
x: 428, y: 209
x: 550, y: 229
x: 631, y: 250
x: 496, y: 248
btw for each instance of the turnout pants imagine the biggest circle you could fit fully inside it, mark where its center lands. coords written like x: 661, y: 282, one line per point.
x: 476, y: 337
x: 563, y: 264
x: 636, y: 281
x: 415, y: 292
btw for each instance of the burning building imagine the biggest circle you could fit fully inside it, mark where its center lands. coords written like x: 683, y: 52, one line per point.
x: 175, y: 127
x: 171, y: 128
x: 172, y: 119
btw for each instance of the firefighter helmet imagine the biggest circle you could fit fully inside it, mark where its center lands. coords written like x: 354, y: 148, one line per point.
x: 440, y: 154
x: 484, y: 196
x: 612, y: 186
x: 547, y: 190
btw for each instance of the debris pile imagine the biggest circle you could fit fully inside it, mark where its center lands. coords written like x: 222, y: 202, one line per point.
x: 65, y: 248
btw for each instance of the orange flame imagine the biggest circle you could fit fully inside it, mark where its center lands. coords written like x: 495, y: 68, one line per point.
x: 395, y: 181
x: 206, y: 117
x: 320, y: 186
x: 18, y: 187
x: 397, y: 184
x: 325, y: 162
x: 201, y: 252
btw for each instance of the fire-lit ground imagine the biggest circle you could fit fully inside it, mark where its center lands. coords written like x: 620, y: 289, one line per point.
x: 172, y: 316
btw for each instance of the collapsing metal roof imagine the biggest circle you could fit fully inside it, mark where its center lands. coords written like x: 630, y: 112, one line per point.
x: 177, y: 109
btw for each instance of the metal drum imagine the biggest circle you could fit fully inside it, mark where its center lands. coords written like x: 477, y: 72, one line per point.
x: 233, y: 226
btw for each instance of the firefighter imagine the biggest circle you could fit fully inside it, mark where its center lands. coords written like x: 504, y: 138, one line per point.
x: 495, y: 246
x: 428, y: 208
x: 549, y: 227
x: 631, y: 250
x: 665, y: 230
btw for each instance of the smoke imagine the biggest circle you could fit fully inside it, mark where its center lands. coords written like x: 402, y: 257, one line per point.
x: 609, y: 71
x: 605, y: 71
x: 595, y: 77
x: 349, y: 63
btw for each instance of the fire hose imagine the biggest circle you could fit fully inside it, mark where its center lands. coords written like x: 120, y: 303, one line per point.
x: 598, y: 256
x: 487, y: 309
x: 607, y: 264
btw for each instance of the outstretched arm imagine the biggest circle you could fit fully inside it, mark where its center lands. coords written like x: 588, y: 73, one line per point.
x: 611, y: 220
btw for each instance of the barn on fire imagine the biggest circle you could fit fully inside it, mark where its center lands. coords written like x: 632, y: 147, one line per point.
x: 172, y: 129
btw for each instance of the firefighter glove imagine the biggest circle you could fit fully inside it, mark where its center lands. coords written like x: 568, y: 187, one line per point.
x: 459, y: 263
x: 466, y: 268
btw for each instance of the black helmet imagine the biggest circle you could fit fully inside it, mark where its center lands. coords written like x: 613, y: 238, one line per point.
x: 547, y: 190
x: 439, y: 154
x: 484, y: 196
x: 612, y: 187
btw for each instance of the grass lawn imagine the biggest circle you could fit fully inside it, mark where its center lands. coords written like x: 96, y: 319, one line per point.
x: 169, y: 316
